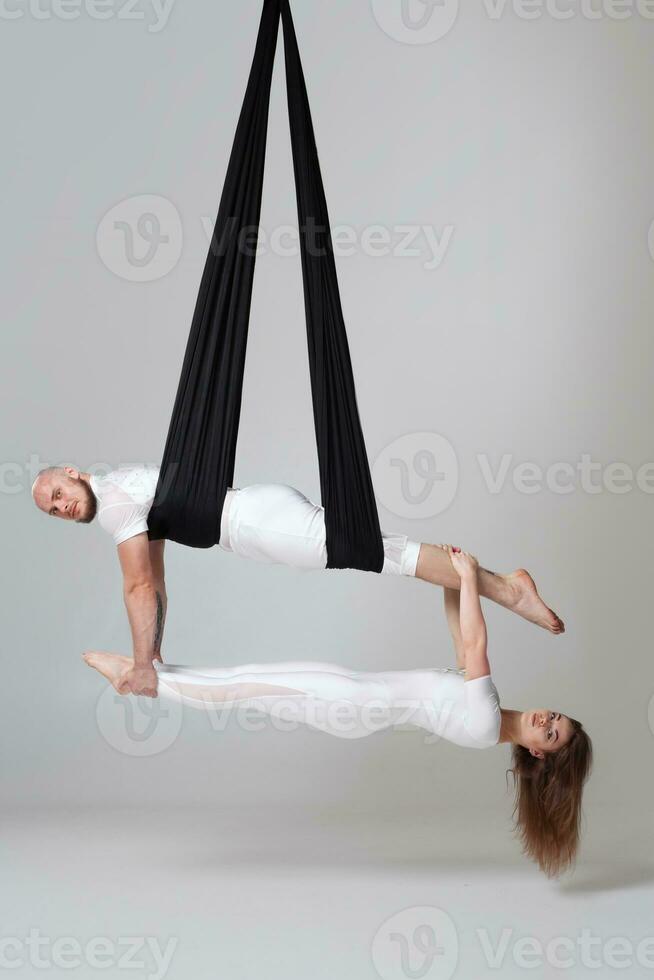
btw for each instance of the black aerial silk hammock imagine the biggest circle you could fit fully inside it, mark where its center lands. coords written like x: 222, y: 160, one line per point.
x: 198, y: 461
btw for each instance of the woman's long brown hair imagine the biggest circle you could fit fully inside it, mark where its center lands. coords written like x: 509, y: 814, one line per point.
x: 548, y: 793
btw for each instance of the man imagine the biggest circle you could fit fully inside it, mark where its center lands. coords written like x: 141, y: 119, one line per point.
x: 270, y: 523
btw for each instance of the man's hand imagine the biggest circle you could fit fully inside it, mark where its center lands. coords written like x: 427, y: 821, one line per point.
x: 139, y: 680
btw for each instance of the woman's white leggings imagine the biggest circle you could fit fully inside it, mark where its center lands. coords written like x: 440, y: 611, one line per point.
x: 277, y: 524
x: 325, y: 696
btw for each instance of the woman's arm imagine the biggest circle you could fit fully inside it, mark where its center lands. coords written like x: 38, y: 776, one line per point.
x: 474, y: 637
x: 452, y: 614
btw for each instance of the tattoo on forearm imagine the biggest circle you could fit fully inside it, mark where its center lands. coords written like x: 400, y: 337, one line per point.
x: 158, y: 627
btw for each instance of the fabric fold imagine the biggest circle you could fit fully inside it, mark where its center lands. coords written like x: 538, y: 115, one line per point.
x: 200, y: 450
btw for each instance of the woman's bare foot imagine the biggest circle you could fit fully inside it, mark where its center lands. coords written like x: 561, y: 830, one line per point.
x: 111, y: 665
x: 525, y: 601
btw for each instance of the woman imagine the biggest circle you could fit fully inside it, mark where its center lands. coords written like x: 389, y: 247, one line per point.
x: 552, y: 754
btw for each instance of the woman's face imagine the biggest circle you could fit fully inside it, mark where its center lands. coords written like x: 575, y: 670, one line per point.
x: 544, y: 730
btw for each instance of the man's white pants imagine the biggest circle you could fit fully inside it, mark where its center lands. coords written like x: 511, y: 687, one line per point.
x: 275, y: 523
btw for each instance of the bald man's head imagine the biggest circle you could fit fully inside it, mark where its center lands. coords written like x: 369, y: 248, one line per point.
x: 64, y: 492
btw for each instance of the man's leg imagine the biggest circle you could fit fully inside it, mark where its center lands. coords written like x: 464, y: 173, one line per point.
x: 515, y: 591
x: 276, y: 523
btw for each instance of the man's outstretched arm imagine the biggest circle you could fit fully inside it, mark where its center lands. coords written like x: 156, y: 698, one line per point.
x: 145, y: 600
x: 159, y: 578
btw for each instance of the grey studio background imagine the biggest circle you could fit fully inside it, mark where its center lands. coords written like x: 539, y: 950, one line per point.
x: 510, y: 156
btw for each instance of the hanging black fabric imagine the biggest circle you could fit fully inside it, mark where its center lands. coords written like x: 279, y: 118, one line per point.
x: 198, y: 461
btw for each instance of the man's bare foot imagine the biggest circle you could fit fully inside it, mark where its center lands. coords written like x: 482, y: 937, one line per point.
x: 525, y: 601
x: 112, y: 666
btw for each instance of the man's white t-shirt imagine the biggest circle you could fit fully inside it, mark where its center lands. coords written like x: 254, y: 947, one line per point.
x: 124, y: 499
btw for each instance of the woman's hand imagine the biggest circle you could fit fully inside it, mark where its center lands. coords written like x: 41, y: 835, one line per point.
x: 465, y: 564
